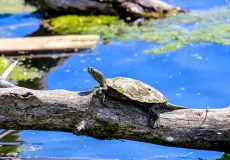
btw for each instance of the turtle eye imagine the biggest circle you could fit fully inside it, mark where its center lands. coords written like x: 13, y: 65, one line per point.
x: 90, y: 69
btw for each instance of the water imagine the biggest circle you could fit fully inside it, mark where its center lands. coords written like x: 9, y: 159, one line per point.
x: 195, y: 76
x: 27, y: 25
x: 198, y: 5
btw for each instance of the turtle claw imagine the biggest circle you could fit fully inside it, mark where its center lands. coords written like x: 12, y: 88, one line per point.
x: 103, y: 98
x: 154, y: 123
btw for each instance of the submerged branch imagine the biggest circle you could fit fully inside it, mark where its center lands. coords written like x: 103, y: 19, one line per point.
x: 83, y: 113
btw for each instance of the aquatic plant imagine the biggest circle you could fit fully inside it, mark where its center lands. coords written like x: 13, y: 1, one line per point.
x: 15, y: 6
x: 167, y: 34
x: 224, y: 157
x: 20, y: 72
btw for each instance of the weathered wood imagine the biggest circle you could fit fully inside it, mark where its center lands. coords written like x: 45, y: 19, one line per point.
x: 84, y: 113
x: 48, y: 43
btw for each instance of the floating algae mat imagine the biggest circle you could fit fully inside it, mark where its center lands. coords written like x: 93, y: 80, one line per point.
x: 170, y: 33
x: 19, y: 73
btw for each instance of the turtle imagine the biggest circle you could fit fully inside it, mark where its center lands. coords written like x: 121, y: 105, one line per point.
x: 136, y: 91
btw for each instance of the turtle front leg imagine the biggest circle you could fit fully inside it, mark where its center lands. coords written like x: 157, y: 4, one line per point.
x: 100, y: 91
x: 154, y: 120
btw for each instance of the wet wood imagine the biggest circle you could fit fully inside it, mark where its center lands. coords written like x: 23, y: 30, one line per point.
x: 84, y: 113
x: 48, y: 43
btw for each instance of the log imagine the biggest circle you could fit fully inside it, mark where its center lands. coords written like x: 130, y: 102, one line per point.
x: 84, y: 113
x: 48, y: 43
x: 123, y: 8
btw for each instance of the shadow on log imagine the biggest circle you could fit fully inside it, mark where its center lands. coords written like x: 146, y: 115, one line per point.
x: 83, y: 113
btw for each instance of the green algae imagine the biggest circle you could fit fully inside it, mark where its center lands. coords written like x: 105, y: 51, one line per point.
x: 15, y: 6
x: 224, y: 157
x: 106, y: 26
x: 20, y: 72
x: 165, y: 48
x: 169, y: 34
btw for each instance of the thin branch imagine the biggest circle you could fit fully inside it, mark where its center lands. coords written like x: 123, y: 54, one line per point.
x: 9, y: 69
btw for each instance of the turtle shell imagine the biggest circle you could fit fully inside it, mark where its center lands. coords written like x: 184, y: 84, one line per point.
x: 131, y: 89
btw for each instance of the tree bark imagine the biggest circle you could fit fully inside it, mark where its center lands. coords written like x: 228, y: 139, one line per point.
x: 83, y: 113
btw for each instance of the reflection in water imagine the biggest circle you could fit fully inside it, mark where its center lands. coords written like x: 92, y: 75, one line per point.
x: 224, y: 157
x: 15, y: 20
x: 44, y: 65
x: 11, y: 145
x: 9, y: 141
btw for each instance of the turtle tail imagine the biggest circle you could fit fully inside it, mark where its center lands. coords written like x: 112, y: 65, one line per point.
x: 174, y: 106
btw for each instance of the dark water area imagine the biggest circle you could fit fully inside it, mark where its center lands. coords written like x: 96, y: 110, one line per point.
x: 196, y: 76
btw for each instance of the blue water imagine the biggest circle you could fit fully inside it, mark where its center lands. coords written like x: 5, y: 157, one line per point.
x: 195, y: 76
x: 27, y: 25
x: 198, y: 4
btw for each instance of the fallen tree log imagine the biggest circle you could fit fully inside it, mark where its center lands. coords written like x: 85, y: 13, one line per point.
x: 83, y: 113
x: 132, y: 8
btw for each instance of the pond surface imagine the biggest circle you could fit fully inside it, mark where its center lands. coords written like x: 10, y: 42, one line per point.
x: 196, y: 76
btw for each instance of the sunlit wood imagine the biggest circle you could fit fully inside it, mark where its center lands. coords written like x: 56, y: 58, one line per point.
x: 48, y: 43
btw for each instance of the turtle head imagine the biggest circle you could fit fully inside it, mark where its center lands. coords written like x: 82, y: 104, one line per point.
x: 98, y: 76
x: 91, y: 70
